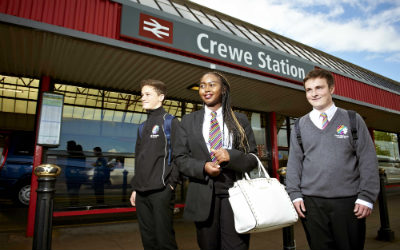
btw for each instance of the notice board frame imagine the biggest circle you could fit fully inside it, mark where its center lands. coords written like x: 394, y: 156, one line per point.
x: 51, y: 111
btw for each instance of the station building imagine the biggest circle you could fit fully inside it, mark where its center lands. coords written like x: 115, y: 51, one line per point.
x: 95, y: 52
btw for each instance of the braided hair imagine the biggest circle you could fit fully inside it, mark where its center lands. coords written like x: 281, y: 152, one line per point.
x: 233, y: 125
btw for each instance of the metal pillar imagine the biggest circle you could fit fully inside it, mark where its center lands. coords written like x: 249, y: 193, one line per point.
x: 125, y: 186
x: 384, y: 233
x: 46, y: 174
x: 287, y: 232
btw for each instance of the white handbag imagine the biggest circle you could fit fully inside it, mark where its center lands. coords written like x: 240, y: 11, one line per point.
x: 260, y: 204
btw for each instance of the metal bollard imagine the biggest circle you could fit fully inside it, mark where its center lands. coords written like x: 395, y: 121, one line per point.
x: 46, y: 174
x: 384, y: 233
x: 287, y: 232
x: 124, y: 186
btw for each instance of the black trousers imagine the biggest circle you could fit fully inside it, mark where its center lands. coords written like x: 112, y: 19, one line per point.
x: 331, y: 224
x: 154, y: 210
x: 218, y: 231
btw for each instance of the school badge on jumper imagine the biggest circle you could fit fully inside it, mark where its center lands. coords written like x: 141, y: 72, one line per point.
x: 341, y: 132
x: 154, y: 131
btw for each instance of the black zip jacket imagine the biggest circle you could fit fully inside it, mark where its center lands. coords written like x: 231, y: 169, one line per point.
x: 151, y: 155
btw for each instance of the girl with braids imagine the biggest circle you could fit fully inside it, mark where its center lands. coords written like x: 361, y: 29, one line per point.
x: 213, y: 149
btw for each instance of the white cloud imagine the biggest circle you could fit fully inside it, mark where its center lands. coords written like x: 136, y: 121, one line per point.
x: 374, y: 31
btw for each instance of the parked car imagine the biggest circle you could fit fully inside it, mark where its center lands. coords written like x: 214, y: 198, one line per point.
x: 16, y: 150
x: 392, y: 169
x: 16, y: 163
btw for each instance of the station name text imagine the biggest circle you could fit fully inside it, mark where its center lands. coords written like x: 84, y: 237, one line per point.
x: 264, y: 60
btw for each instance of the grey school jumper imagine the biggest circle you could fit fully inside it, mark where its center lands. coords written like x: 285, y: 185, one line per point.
x: 330, y: 168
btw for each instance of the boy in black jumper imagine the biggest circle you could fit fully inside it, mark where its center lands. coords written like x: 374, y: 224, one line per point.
x: 155, y: 179
x: 333, y: 182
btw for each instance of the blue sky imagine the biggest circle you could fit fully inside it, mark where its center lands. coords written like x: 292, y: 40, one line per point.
x: 363, y: 32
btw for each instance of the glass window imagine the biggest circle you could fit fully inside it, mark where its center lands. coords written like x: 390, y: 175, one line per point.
x: 272, y: 42
x: 203, y: 18
x: 350, y: 71
x: 341, y: 67
x: 326, y: 61
x: 98, y: 137
x: 191, y: 107
x: 258, y: 124
x: 167, y: 7
x: 234, y: 29
x: 262, y: 39
x: 17, y: 94
x: 300, y: 52
x: 293, y: 49
x: 185, y: 12
x: 283, y: 156
x: 315, y: 55
x: 248, y: 34
x: 219, y: 24
x: 358, y: 73
x: 97, y: 118
x: 285, y: 46
x: 284, y: 125
x: 334, y: 64
x: 387, y: 150
x: 387, y: 145
x: 150, y: 3
x: 93, y: 121
x: 281, y: 125
x: 310, y: 56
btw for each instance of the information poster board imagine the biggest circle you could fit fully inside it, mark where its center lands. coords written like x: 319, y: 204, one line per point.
x: 50, y: 119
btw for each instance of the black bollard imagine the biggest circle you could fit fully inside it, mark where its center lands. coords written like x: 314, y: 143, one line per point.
x: 124, y: 185
x: 288, y: 232
x: 46, y: 174
x: 384, y: 233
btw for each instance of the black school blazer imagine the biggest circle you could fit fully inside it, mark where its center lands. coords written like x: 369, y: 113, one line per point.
x: 191, y: 154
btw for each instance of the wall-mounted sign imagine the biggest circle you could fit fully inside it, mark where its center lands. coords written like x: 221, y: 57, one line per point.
x: 50, y: 119
x: 155, y: 28
x: 168, y: 30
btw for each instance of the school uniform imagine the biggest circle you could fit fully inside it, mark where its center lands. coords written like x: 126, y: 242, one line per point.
x: 207, y: 197
x: 154, y: 182
x: 331, y: 175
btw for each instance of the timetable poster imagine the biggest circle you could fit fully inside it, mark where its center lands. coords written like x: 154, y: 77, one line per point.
x: 50, y: 119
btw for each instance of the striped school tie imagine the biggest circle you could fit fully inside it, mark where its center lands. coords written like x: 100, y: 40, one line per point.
x: 215, y: 137
x: 325, y: 121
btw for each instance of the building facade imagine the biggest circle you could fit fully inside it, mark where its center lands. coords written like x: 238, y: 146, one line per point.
x: 95, y: 52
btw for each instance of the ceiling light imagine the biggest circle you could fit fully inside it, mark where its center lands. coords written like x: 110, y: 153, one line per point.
x: 194, y: 87
x: 116, y: 103
x: 12, y: 90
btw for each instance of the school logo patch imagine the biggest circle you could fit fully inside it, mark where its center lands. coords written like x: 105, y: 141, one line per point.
x: 341, y: 132
x: 154, y: 131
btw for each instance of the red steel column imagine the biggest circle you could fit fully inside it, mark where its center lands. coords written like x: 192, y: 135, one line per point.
x: 274, y: 144
x: 37, y: 160
x: 371, y: 133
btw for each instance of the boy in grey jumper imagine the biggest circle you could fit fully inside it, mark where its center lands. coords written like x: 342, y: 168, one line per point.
x: 333, y: 183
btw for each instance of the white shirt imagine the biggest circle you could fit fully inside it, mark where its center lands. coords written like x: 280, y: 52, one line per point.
x: 226, y: 139
x: 316, y: 118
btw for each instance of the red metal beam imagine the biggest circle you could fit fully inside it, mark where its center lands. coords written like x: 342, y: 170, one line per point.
x: 274, y: 144
x: 37, y: 160
x: 101, y: 211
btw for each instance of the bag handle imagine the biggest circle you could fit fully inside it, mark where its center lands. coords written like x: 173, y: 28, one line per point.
x: 260, y: 168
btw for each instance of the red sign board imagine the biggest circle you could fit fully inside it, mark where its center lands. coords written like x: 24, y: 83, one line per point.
x: 156, y: 28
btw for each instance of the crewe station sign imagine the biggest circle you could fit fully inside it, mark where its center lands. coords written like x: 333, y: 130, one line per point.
x: 183, y: 35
